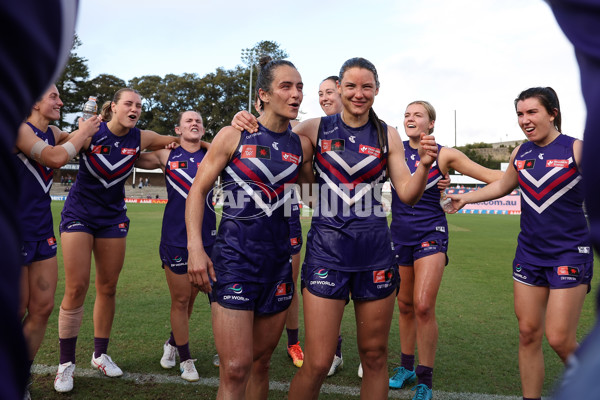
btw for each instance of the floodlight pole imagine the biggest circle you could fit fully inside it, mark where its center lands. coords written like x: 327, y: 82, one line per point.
x: 455, y: 128
x: 250, y: 92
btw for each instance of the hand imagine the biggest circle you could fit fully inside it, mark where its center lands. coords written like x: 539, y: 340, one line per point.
x: 428, y: 150
x: 457, y: 203
x: 244, y: 121
x: 172, y: 145
x: 90, y: 126
x: 199, y: 268
x: 444, y: 183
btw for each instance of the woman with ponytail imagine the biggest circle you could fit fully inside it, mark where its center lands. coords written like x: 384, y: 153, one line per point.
x: 349, y: 248
x: 94, y: 221
x: 249, y: 276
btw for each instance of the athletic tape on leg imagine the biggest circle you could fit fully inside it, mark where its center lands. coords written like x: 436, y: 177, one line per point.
x: 69, y: 322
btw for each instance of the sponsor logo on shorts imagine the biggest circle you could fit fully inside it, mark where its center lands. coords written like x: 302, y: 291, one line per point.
x: 557, y: 163
x: 383, y: 277
x: 74, y: 224
x: 237, y: 289
x: 128, y: 152
x: 322, y: 274
x: 123, y: 225
x: 283, y: 289
x: 440, y: 228
x: 567, y: 273
x: 517, y: 272
x: 295, y: 241
x: 429, y: 243
x: 177, y: 261
x: 583, y: 249
x: 51, y: 241
x: 518, y: 268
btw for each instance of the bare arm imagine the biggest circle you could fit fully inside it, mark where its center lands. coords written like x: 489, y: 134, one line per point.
x: 457, y: 160
x: 309, y: 129
x: 222, y: 149
x: 577, y: 149
x: 409, y: 188
x: 153, y: 159
x: 151, y: 140
x: 498, y: 188
x: 59, y: 155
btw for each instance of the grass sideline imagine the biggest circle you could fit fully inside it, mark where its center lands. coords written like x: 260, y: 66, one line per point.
x: 477, y: 349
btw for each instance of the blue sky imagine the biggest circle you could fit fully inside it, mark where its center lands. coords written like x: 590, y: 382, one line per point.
x: 465, y: 55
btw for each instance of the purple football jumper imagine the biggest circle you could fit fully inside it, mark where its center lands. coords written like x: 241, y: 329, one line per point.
x: 349, y: 230
x: 253, y: 238
x: 34, y: 196
x: 425, y: 220
x: 98, y: 194
x: 180, y: 172
x: 554, y: 229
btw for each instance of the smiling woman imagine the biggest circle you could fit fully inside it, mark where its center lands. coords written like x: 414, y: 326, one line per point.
x: 349, y: 249
x: 552, y: 268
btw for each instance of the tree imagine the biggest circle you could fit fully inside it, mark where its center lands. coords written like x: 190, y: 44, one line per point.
x: 251, y: 56
x: 104, y: 87
x: 223, y: 95
x: 72, y: 84
x: 149, y: 87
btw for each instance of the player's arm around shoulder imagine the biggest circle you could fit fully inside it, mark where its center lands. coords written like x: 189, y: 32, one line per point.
x: 153, y: 159
x: 151, y: 140
x: 309, y: 129
x: 449, y: 158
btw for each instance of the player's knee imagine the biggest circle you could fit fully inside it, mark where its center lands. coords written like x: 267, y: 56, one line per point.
x: 75, y: 292
x: 261, y: 366
x: 424, y: 310
x: 529, y: 334
x: 108, y: 289
x: 405, y: 307
x: 180, y: 303
x: 41, y: 310
x: 236, y: 370
x: 562, y: 343
x: 374, y: 359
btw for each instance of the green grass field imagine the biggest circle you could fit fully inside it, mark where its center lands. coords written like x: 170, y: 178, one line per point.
x: 477, y: 350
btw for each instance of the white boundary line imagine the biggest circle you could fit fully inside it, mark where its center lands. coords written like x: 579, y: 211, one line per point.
x: 140, y: 378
